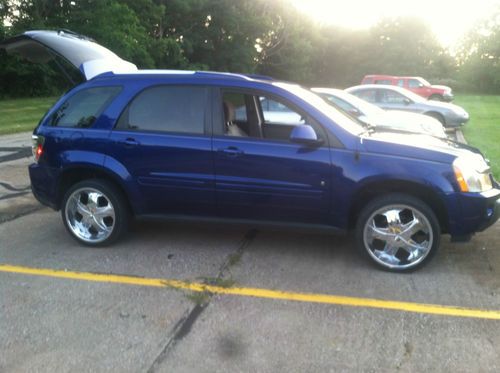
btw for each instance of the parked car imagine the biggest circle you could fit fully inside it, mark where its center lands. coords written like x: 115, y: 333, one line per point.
x: 416, y: 84
x: 273, y: 112
x: 390, y: 97
x: 139, y: 143
x: 375, y: 116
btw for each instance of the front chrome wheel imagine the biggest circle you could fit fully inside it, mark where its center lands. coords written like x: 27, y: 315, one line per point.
x: 398, y: 236
x: 90, y: 215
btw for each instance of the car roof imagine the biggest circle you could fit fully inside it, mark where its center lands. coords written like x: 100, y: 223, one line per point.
x: 392, y: 76
x: 376, y: 86
x: 332, y: 91
x: 157, y: 73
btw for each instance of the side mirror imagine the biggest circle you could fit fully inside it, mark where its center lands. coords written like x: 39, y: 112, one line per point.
x: 420, y: 85
x: 304, y: 134
x: 407, y: 101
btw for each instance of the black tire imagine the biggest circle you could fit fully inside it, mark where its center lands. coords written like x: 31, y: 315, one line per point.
x: 416, y: 206
x: 119, y: 222
x: 437, y: 116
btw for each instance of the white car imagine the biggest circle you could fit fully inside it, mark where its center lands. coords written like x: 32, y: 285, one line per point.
x: 377, y: 117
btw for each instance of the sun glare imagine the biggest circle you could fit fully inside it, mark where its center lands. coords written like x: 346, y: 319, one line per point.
x: 449, y: 19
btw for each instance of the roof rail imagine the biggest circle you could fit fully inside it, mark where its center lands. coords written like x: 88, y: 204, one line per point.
x: 75, y: 34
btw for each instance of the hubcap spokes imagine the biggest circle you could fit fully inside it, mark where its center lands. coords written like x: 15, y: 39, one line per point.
x: 90, y: 215
x: 398, y: 236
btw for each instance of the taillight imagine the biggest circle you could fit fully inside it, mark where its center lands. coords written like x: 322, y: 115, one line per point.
x: 37, y: 146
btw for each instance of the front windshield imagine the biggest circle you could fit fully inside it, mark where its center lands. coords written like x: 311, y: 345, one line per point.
x: 412, y: 96
x: 334, y: 114
x: 424, y: 82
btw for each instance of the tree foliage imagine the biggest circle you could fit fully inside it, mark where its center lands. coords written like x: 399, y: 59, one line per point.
x: 479, y: 56
x: 246, y: 36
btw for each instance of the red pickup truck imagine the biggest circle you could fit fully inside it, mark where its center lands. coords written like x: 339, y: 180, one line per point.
x: 415, y: 84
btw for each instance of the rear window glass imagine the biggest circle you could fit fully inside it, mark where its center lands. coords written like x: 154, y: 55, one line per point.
x: 84, y: 107
x: 340, y: 103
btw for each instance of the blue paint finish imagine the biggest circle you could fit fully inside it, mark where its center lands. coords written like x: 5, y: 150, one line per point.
x: 170, y: 172
x: 243, y: 177
x: 272, y: 180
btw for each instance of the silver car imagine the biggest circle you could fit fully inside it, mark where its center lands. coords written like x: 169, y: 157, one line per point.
x: 377, y: 117
x: 396, y: 98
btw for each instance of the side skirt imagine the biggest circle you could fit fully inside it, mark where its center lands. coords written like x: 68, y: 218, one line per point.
x: 250, y: 223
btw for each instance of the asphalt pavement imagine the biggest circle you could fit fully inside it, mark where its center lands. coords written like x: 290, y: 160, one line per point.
x: 174, y: 297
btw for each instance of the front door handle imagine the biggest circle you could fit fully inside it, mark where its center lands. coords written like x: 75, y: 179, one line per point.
x: 231, y: 151
x: 129, y: 142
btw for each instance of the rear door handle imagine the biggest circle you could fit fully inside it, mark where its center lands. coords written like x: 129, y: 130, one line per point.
x: 129, y: 142
x: 231, y: 151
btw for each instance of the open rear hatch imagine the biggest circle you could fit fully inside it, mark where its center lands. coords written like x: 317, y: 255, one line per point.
x: 90, y: 58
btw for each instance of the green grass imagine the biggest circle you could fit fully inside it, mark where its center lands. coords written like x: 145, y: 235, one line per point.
x: 21, y: 115
x: 483, y: 129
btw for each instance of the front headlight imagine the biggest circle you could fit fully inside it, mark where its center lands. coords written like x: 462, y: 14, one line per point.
x: 472, y: 173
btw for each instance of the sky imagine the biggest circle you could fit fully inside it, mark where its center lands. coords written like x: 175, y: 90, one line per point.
x: 449, y: 19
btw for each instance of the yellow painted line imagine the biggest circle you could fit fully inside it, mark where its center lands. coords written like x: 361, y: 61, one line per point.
x: 434, y: 309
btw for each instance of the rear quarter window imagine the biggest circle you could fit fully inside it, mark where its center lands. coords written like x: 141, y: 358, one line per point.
x: 84, y: 107
x: 178, y: 109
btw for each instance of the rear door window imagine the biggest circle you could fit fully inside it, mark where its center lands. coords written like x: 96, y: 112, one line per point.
x: 178, y: 109
x: 391, y: 97
x: 84, y: 107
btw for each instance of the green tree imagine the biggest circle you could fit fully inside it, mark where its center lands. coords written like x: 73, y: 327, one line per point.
x: 267, y: 37
x: 407, y: 46
x: 290, y: 45
x: 479, y: 56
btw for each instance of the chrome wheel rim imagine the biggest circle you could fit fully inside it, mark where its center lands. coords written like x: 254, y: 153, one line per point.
x: 90, y: 215
x: 398, y: 236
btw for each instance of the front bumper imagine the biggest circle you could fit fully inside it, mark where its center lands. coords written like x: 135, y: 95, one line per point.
x: 470, y: 213
x: 493, y: 214
x: 448, y: 97
x: 456, y: 120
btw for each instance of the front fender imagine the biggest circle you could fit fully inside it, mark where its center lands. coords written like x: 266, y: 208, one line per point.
x: 375, y: 174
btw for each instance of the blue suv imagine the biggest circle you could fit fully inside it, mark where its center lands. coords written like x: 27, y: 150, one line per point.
x: 156, y: 143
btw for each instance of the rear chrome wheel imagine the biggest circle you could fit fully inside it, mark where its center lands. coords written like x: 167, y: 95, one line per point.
x: 398, y: 233
x: 90, y: 215
x: 93, y: 212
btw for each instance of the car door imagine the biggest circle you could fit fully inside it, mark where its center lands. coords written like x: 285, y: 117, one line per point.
x: 418, y: 87
x: 259, y: 174
x: 391, y: 100
x: 162, y: 140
